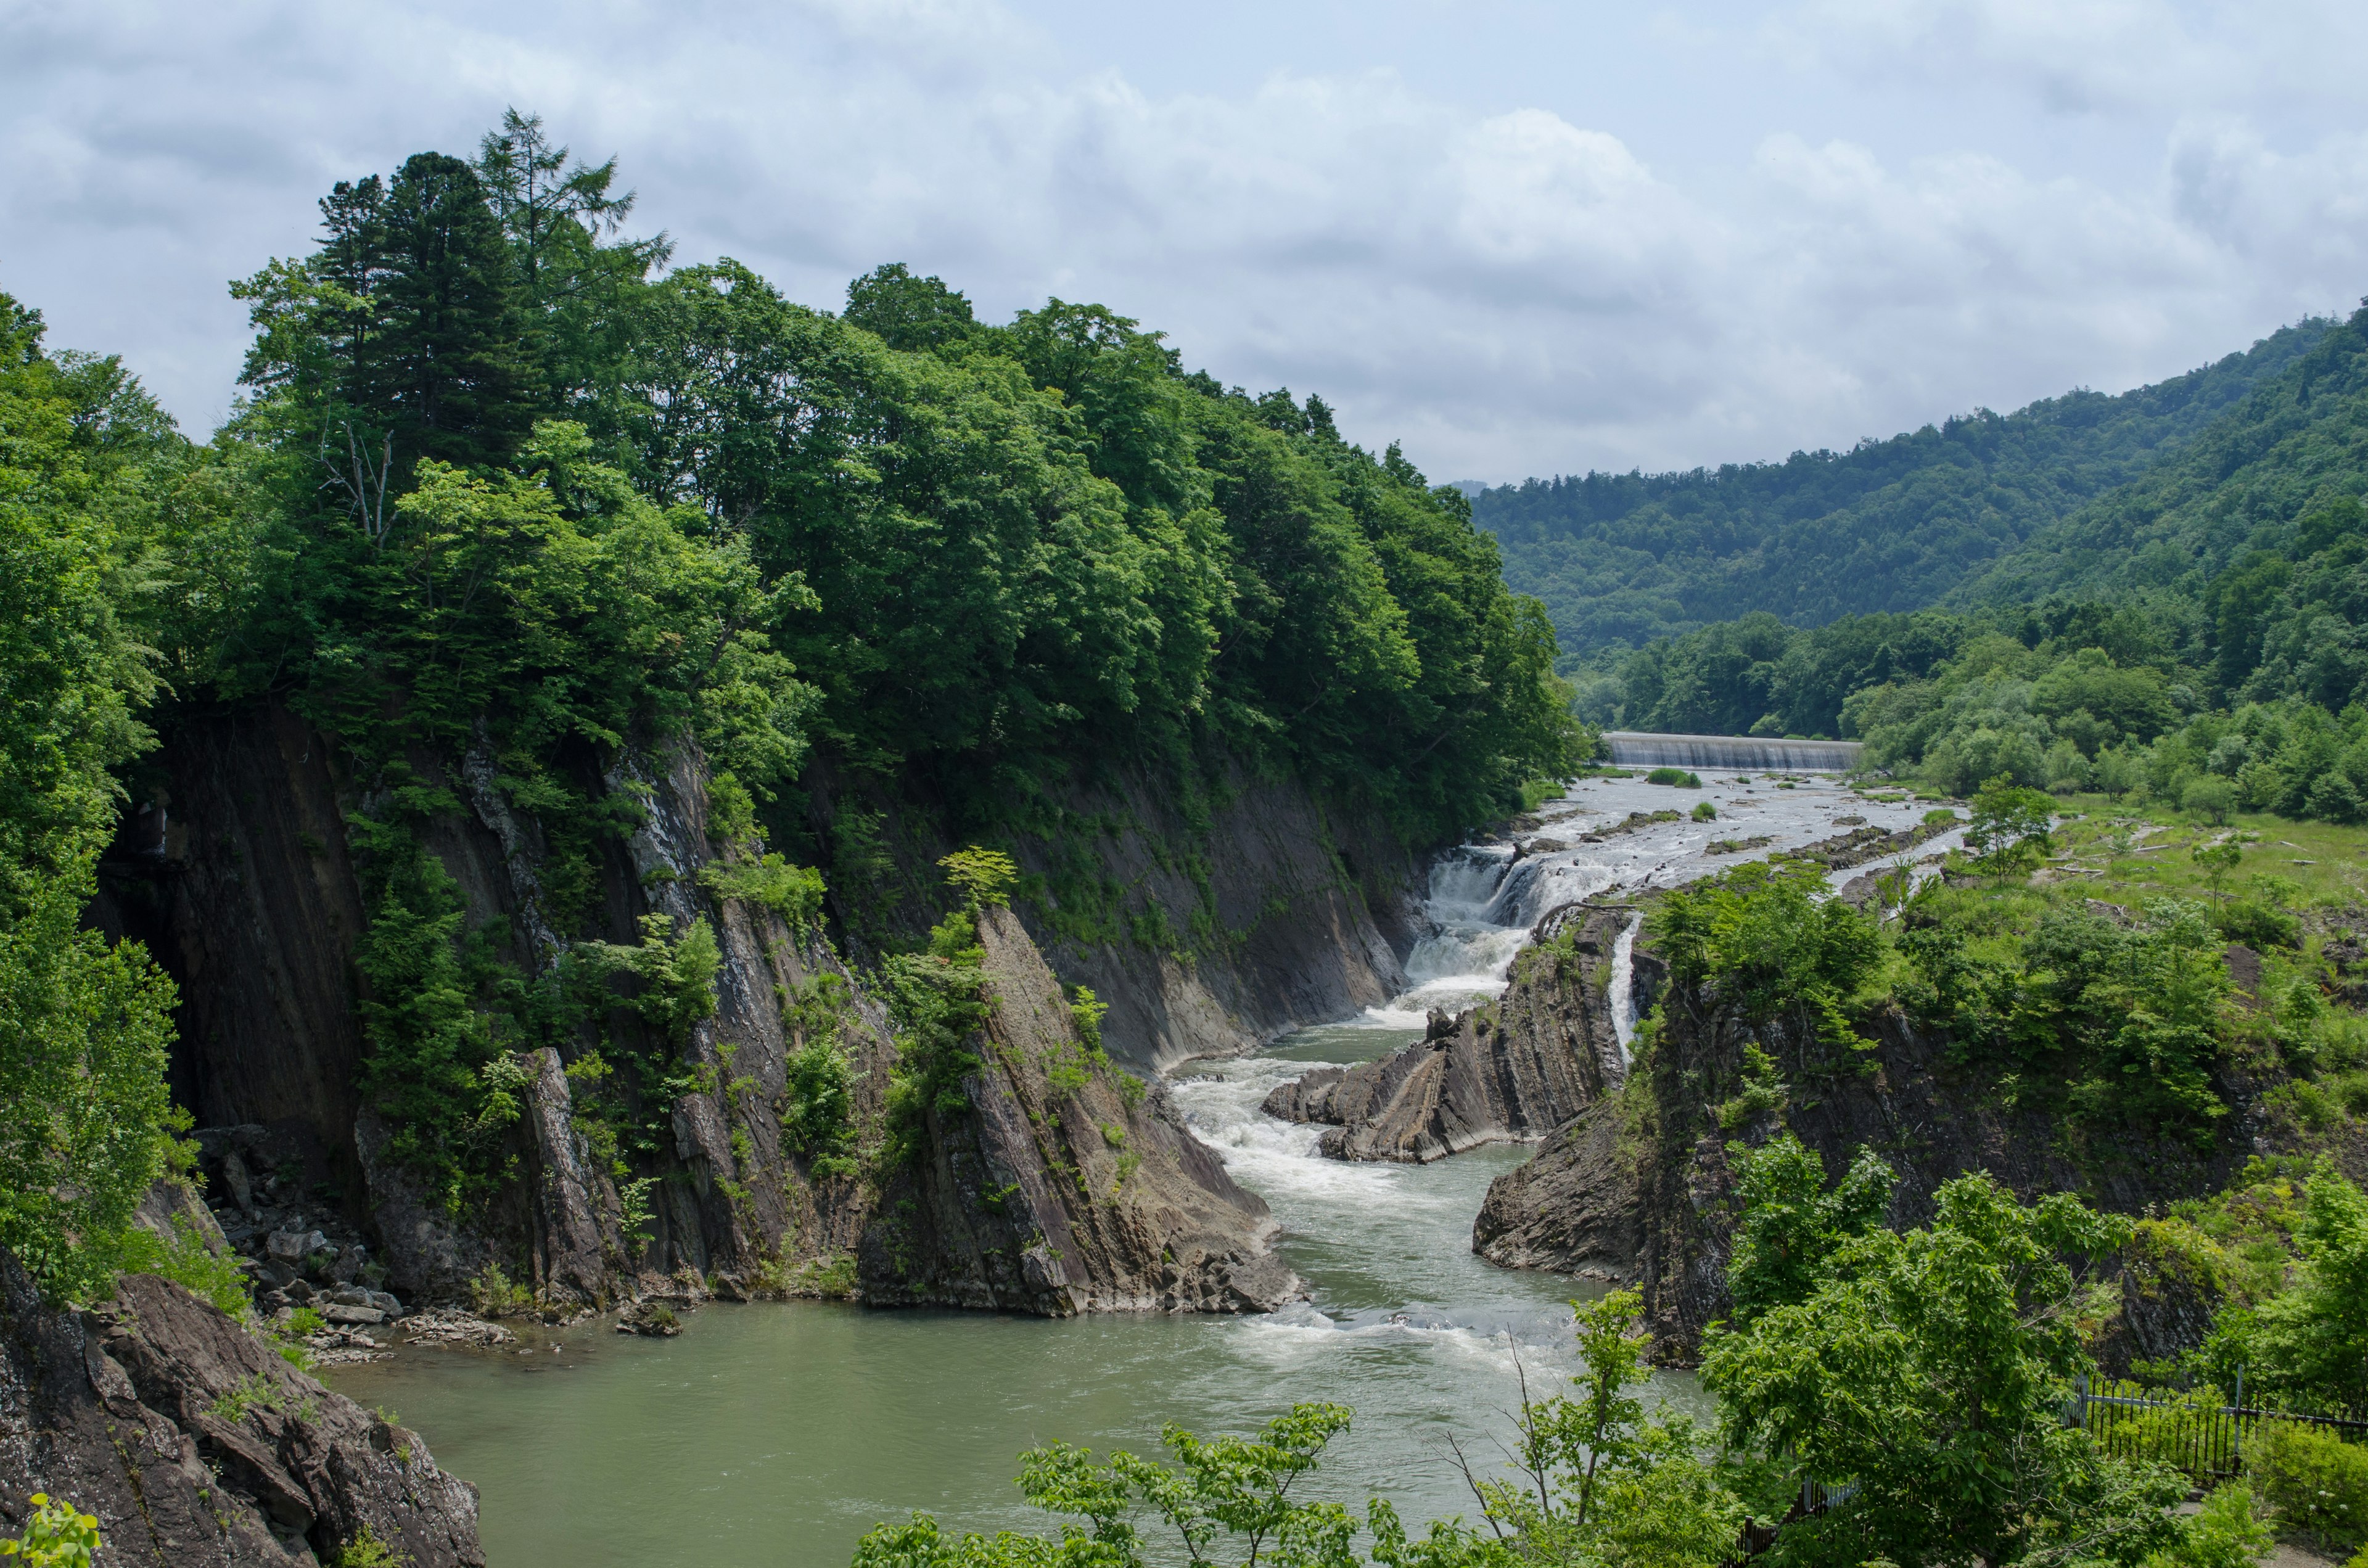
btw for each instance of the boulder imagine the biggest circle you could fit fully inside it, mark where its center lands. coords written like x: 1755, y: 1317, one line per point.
x: 194, y: 1441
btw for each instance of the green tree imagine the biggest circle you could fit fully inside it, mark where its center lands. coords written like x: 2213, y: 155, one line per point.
x: 1927, y: 1370
x: 85, y: 1123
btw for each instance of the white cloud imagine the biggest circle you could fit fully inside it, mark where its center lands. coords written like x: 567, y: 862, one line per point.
x: 1512, y: 288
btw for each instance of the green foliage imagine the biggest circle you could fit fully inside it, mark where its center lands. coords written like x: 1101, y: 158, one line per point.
x: 85, y: 1121
x: 937, y: 999
x: 58, y: 1536
x: 2302, y: 1338
x: 493, y: 1294
x: 984, y: 875
x: 1704, y: 812
x: 2316, y: 1482
x: 793, y: 892
x: 1597, y: 1481
x: 1791, y: 1227
x: 2224, y: 1533
x: 366, y: 1551
x: 1929, y: 1367
x: 1769, y: 940
x: 1673, y: 776
x: 818, y: 1106
x: 2009, y: 825
x: 1085, y: 1014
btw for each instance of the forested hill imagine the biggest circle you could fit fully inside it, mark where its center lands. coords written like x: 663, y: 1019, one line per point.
x: 2220, y: 511
x: 1894, y: 524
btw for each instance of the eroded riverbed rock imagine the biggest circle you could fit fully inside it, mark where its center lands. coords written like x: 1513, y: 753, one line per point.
x: 194, y: 1442
x: 1062, y: 1185
x: 1514, y: 1069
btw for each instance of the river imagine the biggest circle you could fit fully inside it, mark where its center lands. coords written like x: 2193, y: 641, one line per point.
x: 774, y: 1434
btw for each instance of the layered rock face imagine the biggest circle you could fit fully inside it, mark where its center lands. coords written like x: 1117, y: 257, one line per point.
x: 1512, y: 1070
x: 194, y: 1442
x: 1060, y: 1191
x: 238, y: 877
x: 1218, y: 923
x: 1641, y: 1189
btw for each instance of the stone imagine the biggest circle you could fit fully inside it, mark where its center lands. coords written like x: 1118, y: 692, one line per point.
x: 295, y: 1247
x: 1511, y: 1071
x: 1060, y: 1196
x: 234, y: 1177
x: 339, y: 1312
x: 194, y: 1441
x: 445, y: 1326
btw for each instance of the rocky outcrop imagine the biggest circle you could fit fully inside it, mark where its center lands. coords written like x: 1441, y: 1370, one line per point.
x: 1513, y: 1069
x: 192, y: 1441
x: 1572, y: 1208
x: 1064, y: 1187
x: 1642, y: 1190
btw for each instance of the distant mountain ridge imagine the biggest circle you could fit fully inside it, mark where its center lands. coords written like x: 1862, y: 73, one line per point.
x: 1890, y: 525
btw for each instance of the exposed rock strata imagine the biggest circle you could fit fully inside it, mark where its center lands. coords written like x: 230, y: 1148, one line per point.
x: 1513, y: 1069
x: 1642, y: 1190
x: 237, y: 875
x: 193, y: 1442
x: 1306, y: 911
x: 1053, y: 1194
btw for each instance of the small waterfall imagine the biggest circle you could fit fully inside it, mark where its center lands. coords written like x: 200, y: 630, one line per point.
x: 1750, y: 754
x: 1623, y: 986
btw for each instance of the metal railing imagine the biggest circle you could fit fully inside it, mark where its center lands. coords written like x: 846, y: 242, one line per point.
x: 2198, y: 1432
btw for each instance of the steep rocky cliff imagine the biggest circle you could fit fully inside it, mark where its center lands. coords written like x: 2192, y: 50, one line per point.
x: 238, y: 872
x: 1641, y: 1189
x: 1209, y: 916
x: 194, y: 1442
x: 1066, y: 1187
x: 1513, y: 1069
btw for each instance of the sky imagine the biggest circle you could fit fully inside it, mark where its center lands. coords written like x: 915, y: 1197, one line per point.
x: 1520, y: 238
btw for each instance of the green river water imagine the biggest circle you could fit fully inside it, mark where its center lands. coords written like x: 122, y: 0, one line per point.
x: 776, y: 1433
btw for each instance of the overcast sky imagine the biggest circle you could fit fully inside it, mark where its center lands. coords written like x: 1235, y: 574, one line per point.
x: 1524, y: 238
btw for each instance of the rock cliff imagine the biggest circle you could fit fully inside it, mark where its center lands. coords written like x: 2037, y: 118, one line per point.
x: 194, y: 1442
x: 1514, y: 1069
x: 1066, y: 1187
x: 237, y: 872
x: 1641, y: 1189
x: 1209, y: 918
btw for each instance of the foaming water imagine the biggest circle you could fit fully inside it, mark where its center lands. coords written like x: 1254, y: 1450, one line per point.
x: 1623, y: 985
x: 1484, y: 898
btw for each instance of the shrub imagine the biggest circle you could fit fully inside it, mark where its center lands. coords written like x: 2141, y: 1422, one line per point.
x: 2257, y: 925
x: 1673, y: 776
x: 1705, y: 811
x: 2224, y: 1533
x: 57, y: 1535
x: 2316, y: 1481
x: 793, y: 892
x: 2210, y: 797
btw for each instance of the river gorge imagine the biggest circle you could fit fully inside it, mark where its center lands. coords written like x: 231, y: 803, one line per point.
x: 777, y: 1433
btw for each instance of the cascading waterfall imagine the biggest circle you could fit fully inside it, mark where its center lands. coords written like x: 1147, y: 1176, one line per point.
x: 1623, y: 986
x: 1640, y: 748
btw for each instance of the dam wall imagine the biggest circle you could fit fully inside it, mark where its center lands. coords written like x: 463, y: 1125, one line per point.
x: 1755, y: 754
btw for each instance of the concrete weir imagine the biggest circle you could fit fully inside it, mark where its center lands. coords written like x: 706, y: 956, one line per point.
x: 1757, y: 754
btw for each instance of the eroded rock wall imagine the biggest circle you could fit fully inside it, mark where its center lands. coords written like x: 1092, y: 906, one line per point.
x: 240, y: 877
x: 1642, y: 1191
x: 1060, y: 1189
x: 1208, y: 924
x: 194, y: 1442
